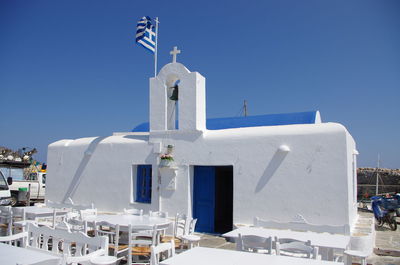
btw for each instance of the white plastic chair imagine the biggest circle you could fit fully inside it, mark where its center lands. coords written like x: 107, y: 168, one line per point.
x: 77, y: 225
x: 179, y: 229
x: 19, y: 221
x: 295, y: 248
x: 132, y: 211
x: 360, y: 248
x: 18, y: 214
x: 63, y: 226
x: 253, y: 243
x: 73, y: 225
x: 140, y: 240
x: 189, y: 238
x: 164, y: 250
x: 6, y: 218
x: 50, y: 221
x: 112, y: 232
x: 87, y: 213
x: 180, y: 225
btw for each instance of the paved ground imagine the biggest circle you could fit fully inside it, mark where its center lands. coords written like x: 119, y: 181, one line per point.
x: 387, y: 245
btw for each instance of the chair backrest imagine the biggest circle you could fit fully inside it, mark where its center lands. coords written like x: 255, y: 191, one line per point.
x: 362, y: 243
x: 141, y: 236
x: 6, y: 217
x: 63, y: 225
x: 73, y: 225
x: 191, y: 226
x: 158, y: 214
x: 84, y: 214
x: 71, y: 244
x: 145, y: 235
x: 14, y: 239
x: 167, y: 249
x: 303, y: 226
x: 181, y: 225
x: 18, y: 213
x: 5, y: 209
x: 111, y: 231
x: 253, y: 243
x: 292, y: 247
x: 134, y: 211
x: 77, y: 225
x: 5, y: 212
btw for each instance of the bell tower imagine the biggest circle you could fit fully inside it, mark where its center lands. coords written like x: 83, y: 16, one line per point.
x: 177, y: 98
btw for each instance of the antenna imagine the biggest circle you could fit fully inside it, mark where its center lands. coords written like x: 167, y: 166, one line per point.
x: 377, y: 175
x: 245, y: 108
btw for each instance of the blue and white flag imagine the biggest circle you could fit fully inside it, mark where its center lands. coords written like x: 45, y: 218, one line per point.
x: 146, y: 34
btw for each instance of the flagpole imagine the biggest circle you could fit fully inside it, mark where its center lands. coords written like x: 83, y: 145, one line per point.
x: 155, y: 53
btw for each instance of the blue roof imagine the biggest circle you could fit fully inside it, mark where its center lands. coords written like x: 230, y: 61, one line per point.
x: 308, y: 117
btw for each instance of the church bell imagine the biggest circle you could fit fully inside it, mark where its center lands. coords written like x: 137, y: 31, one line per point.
x: 174, y: 95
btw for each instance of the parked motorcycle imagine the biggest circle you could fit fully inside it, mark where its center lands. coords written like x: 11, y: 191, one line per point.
x: 385, y: 210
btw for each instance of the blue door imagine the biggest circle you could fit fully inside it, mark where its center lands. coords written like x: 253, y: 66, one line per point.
x: 204, y: 198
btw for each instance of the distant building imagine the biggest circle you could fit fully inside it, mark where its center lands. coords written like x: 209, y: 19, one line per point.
x: 285, y: 167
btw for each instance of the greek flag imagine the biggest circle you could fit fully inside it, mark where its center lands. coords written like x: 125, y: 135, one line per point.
x: 145, y: 34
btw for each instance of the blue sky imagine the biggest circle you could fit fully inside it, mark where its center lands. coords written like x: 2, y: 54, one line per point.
x: 71, y: 69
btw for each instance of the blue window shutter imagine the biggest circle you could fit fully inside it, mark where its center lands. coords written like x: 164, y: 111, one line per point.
x: 143, y: 183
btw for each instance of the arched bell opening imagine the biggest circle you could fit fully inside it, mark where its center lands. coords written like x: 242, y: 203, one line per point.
x: 172, y: 94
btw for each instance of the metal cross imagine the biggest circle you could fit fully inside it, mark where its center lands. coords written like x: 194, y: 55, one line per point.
x: 174, y: 52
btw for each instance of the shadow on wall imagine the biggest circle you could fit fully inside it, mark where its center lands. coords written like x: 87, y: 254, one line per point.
x: 273, y: 165
x: 78, y: 174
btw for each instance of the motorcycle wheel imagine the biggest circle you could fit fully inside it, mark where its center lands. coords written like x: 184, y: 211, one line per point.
x: 393, y: 224
x: 379, y: 222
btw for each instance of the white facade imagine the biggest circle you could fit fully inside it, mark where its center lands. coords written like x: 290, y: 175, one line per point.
x: 280, y: 173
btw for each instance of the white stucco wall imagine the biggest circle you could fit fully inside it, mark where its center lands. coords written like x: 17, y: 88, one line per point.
x: 313, y: 179
x: 352, y: 177
x: 100, y: 167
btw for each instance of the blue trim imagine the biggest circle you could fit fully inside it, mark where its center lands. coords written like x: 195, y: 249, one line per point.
x: 308, y: 117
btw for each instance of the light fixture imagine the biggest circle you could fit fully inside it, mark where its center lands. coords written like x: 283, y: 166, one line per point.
x: 284, y: 148
x: 170, y: 149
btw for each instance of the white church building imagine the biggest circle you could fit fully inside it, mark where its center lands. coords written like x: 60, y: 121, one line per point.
x: 225, y: 172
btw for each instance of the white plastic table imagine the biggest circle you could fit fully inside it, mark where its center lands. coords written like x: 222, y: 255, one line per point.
x: 103, y: 260
x: 33, y: 212
x: 15, y: 255
x: 325, y: 241
x: 128, y: 219
x: 215, y: 256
